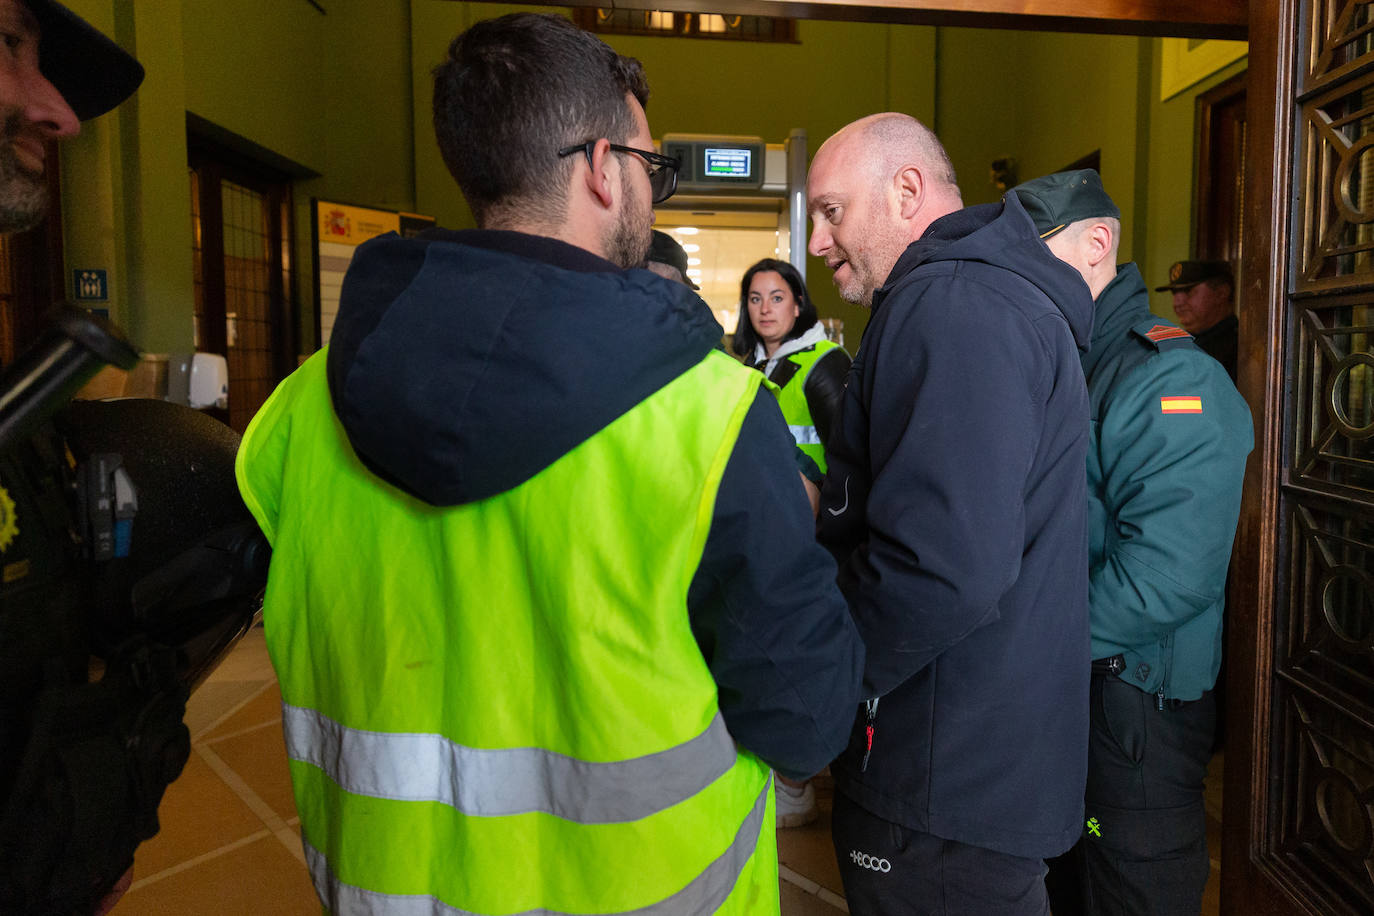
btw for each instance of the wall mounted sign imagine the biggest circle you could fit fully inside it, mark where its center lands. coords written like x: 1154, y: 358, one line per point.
x: 90, y: 286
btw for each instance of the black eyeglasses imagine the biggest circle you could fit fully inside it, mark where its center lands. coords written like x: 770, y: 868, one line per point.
x: 662, y: 169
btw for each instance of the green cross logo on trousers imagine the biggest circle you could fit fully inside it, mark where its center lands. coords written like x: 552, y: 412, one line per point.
x: 1094, y: 827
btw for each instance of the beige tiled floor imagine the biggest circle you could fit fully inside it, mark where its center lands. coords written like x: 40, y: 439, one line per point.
x: 230, y: 845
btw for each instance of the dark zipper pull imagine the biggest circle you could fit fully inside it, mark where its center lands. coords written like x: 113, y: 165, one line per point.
x: 872, y: 707
x: 1159, y: 698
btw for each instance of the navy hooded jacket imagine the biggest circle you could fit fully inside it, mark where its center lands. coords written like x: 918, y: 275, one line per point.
x: 464, y: 363
x: 955, y: 505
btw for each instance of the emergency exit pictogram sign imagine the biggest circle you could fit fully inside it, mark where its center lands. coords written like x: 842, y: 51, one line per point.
x: 90, y: 285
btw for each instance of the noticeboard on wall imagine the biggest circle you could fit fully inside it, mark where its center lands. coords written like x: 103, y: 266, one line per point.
x: 338, y: 230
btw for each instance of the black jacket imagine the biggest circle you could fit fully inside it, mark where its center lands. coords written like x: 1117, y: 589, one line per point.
x: 460, y: 383
x: 1220, y: 342
x: 955, y: 505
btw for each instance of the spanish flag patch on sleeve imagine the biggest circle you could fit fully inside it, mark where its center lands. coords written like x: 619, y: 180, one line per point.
x: 1184, y: 403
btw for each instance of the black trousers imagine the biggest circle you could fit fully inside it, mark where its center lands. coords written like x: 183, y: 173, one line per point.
x: 1144, y: 846
x: 888, y: 869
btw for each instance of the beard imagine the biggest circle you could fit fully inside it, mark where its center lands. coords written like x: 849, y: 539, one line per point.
x: 858, y: 288
x: 627, y: 244
x: 23, y: 194
x: 869, y: 268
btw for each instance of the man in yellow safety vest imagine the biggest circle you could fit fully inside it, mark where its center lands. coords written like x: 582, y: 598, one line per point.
x: 545, y: 602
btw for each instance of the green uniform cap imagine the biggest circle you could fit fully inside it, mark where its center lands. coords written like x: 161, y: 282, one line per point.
x: 1055, y: 201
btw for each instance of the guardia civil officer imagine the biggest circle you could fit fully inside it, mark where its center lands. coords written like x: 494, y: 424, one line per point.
x: 1167, y: 453
x: 545, y: 601
x: 1203, y: 300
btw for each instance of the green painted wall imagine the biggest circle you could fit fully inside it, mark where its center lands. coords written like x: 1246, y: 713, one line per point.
x: 1047, y: 99
x: 93, y: 193
x: 977, y: 73
x: 1044, y: 99
x: 1171, y: 168
x: 306, y: 87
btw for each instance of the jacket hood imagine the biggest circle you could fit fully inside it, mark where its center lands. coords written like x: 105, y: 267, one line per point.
x: 464, y: 363
x: 1002, y: 235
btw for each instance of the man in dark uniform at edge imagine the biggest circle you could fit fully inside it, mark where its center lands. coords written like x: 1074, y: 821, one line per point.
x: 1203, y: 293
x: 467, y: 370
x: 56, y: 71
x: 955, y: 506
x: 1167, y: 453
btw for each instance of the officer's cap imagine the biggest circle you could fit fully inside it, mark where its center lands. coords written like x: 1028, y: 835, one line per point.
x: 1057, y: 200
x: 666, y: 250
x: 1186, y: 274
x: 92, y: 72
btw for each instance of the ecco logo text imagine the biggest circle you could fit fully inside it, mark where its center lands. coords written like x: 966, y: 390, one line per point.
x: 872, y: 863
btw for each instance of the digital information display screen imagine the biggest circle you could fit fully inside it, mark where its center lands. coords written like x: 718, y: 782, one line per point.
x: 728, y: 163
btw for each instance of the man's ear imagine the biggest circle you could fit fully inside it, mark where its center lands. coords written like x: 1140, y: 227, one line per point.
x: 598, y: 177
x: 910, y: 185
x: 1099, y: 243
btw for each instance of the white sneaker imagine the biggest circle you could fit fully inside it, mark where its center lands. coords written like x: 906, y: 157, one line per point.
x: 796, y: 805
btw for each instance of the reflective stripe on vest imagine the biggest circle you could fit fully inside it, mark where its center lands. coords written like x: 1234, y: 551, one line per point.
x: 805, y: 435
x: 706, y: 893
x: 494, y: 783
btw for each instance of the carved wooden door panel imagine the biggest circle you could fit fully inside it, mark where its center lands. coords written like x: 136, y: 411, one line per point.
x: 1300, y: 781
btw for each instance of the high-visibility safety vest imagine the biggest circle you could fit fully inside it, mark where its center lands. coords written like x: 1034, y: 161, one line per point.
x: 792, y: 400
x: 500, y: 707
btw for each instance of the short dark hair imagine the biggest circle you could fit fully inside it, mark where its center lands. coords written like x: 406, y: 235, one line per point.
x: 511, y: 92
x: 746, y: 338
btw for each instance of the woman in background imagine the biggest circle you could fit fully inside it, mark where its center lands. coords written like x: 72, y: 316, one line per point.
x: 779, y: 335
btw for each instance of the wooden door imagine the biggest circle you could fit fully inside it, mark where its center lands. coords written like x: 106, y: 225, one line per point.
x: 241, y: 244
x: 1299, y: 819
x: 1219, y: 201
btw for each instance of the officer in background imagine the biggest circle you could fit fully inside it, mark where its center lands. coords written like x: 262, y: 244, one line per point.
x: 668, y: 259
x: 1165, y: 461
x: 1203, y: 300
x: 545, y: 600
x: 57, y: 70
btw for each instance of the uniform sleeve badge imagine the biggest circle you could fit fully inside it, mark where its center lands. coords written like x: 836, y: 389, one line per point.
x: 9, y: 523
x: 1165, y: 332
x: 1180, y: 403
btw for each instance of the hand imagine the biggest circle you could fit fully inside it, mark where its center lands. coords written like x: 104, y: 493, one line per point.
x: 813, y: 493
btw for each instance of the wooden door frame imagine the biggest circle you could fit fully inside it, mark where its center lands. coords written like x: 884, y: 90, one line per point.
x: 1177, y: 18
x: 1248, y: 871
x: 1207, y: 104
